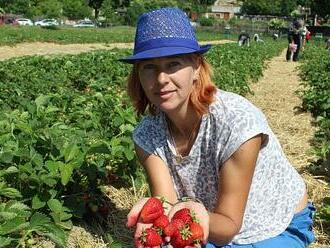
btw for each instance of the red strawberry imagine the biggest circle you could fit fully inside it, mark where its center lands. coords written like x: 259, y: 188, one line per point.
x: 184, y: 214
x: 151, y: 210
x: 174, y: 225
x: 196, y: 231
x: 181, y: 238
x: 150, y: 238
x: 161, y: 222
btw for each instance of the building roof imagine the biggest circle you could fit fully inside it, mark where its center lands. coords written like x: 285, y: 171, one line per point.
x: 223, y: 6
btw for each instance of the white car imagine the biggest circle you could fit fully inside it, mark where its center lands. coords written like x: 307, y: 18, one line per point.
x: 85, y: 24
x: 23, y: 22
x: 46, y: 23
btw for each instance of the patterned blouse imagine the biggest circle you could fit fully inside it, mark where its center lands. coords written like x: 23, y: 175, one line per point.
x: 276, y: 186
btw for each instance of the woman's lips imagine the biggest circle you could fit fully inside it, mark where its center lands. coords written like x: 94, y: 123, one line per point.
x: 166, y: 94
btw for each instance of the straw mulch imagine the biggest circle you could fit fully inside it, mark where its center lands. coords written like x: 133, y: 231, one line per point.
x: 275, y: 95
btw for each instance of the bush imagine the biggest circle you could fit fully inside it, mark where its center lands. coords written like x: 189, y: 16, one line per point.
x: 207, y: 22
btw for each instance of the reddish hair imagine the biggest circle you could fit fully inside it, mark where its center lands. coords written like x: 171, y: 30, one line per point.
x: 201, y: 96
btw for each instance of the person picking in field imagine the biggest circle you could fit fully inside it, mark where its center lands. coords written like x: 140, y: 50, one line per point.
x: 294, y: 41
x: 211, y: 147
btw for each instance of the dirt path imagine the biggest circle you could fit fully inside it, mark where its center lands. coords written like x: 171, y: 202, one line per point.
x: 275, y: 95
x: 44, y: 48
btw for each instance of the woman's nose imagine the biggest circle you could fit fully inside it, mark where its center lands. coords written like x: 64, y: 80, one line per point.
x: 162, y: 77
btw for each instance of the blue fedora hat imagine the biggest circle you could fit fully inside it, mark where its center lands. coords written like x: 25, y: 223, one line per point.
x: 162, y: 33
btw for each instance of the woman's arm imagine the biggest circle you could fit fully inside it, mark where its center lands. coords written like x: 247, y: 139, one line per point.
x: 159, y: 177
x: 235, y: 181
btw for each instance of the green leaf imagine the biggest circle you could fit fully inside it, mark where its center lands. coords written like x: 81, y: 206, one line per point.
x: 99, y: 148
x: 66, y: 171
x: 13, y: 225
x: 16, y: 206
x: 49, y: 181
x: 117, y: 121
x: 6, y: 215
x: 55, y: 205
x: 6, y: 157
x: 39, y: 219
x: 70, y: 152
x: 53, y: 166
x: 37, y: 203
x: 56, y: 234
x: 5, y: 241
x: 9, y: 170
x: 126, y: 127
x: 9, y: 192
x: 42, y: 100
x: 129, y: 154
x: 65, y: 224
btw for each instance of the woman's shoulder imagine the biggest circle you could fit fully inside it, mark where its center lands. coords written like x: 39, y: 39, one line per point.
x: 229, y: 102
x: 150, y: 127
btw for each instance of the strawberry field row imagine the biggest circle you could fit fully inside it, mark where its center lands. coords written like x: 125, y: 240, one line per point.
x: 65, y: 131
x: 316, y: 99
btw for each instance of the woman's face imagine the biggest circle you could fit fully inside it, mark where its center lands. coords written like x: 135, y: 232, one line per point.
x: 168, y: 81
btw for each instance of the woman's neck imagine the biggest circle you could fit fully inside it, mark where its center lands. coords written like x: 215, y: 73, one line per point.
x: 183, y: 124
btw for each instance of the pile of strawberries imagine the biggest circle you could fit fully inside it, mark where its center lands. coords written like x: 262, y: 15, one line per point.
x: 183, y: 230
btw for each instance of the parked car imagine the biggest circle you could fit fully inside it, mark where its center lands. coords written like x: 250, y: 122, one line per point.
x: 85, y: 24
x: 46, y: 23
x: 23, y: 22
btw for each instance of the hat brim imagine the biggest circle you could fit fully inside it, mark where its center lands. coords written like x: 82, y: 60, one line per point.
x: 163, y: 52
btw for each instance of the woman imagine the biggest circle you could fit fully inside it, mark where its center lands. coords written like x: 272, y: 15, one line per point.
x: 294, y: 39
x: 210, y: 145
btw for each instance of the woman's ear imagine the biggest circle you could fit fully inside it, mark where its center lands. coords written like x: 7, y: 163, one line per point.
x: 197, y: 68
x: 196, y: 72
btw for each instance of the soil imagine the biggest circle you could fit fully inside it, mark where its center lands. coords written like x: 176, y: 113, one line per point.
x: 45, y: 48
x: 275, y: 94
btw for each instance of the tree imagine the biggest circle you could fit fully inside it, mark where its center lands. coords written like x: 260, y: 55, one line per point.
x: 15, y: 6
x: 96, y: 5
x: 76, y: 9
x: 262, y: 7
x: 321, y: 8
x: 51, y: 8
x: 287, y: 6
x: 108, y: 11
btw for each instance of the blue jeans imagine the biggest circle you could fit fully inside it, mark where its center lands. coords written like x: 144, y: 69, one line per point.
x: 299, y: 233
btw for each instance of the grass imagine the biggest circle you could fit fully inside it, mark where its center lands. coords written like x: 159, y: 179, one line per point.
x: 11, y: 35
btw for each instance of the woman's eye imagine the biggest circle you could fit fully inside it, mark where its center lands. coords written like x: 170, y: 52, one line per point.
x: 174, y: 63
x: 148, y: 66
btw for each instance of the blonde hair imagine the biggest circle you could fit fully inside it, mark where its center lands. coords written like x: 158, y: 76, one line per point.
x: 201, y: 96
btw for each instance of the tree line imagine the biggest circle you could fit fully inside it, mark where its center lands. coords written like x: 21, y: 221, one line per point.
x: 127, y: 11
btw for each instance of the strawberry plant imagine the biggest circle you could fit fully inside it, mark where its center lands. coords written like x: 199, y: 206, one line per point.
x: 315, y: 98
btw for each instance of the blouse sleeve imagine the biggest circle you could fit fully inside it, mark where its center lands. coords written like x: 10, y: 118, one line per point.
x: 142, y: 136
x: 244, y: 124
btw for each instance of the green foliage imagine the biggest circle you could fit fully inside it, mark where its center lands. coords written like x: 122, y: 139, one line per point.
x: 110, y: 14
x: 51, y: 8
x: 76, y: 9
x: 262, y: 7
x: 276, y: 24
x: 321, y: 8
x: 236, y: 67
x: 204, y: 21
x: 18, y: 224
x: 137, y: 7
x: 65, y: 132
x: 315, y: 96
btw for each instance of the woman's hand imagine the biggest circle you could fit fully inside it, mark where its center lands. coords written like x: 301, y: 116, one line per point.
x: 201, y: 214
x: 134, y: 220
